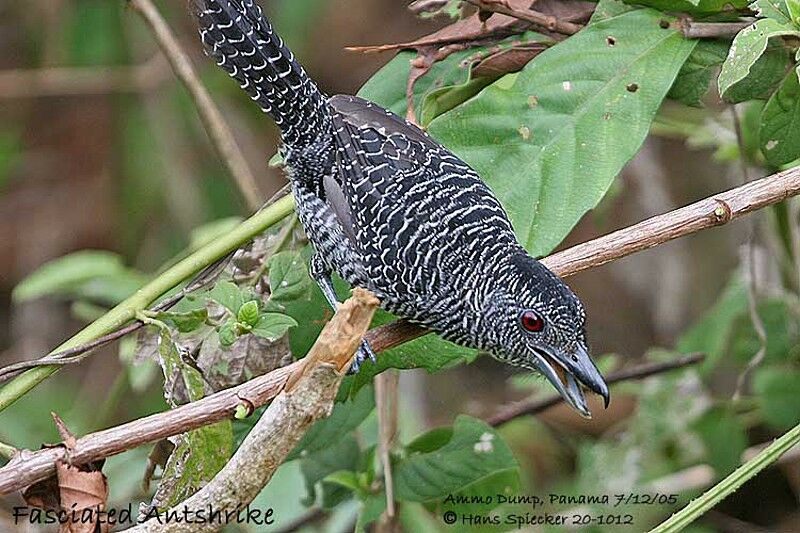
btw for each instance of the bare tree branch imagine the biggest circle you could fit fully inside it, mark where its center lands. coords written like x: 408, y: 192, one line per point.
x: 218, y: 130
x: 29, y: 467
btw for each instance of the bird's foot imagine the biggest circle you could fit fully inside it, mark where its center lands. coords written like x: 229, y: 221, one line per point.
x: 364, y: 352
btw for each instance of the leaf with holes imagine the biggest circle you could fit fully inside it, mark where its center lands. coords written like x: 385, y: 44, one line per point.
x: 551, y: 139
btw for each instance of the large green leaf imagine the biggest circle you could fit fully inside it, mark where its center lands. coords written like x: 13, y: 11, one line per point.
x: 551, y: 139
x: 748, y: 46
x: 473, y: 453
x: 779, y: 133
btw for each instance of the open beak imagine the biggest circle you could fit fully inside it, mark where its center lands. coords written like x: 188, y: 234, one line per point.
x: 569, y: 373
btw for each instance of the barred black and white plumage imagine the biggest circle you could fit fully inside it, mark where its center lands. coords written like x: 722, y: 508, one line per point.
x: 391, y: 210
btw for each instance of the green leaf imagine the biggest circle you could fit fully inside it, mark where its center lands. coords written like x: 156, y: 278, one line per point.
x: 288, y: 277
x: 229, y: 295
x: 793, y: 8
x: 713, y: 332
x: 748, y: 45
x: 474, y: 453
x: 765, y: 75
x: 586, y: 106
x: 445, y: 85
x: 185, y: 321
x: 724, y: 438
x: 340, y: 455
x: 607, y: 9
x: 227, y: 333
x: 459, y: 85
x: 344, y: 478
x: 694, y: 78
x: 345, y: 418
x: 779, y: 133
x: 92, y: 274
x: 773, y: 9
x: 776, y: 387
x: 472, y: 498
x: 273, y: 326
x: 370, y: 511
x: 248, y: 313
x: 695, y: 7
x: 199, y: 455
x: 430, y: 352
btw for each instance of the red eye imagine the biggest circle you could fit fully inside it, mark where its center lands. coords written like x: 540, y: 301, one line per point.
x: 532, y: 322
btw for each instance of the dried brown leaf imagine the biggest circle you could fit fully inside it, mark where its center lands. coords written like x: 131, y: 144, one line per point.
x: 81, y: 488
x: 66, y: 434
x: 507, y: 60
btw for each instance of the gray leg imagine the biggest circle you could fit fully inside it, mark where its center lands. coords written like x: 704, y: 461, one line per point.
x: 322, y: 275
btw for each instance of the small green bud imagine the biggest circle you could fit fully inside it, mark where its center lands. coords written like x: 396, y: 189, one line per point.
x: 248, y: 313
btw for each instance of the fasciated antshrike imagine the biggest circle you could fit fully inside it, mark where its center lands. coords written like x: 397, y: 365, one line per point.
x: 393, y: 211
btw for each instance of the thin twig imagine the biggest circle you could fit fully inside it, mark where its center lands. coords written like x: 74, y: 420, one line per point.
x: 533, y: 407
x: 386, y: 405
x: 82, y: 81
x: 752, y: 279
x: 548, y: 22
x: 218, y: 130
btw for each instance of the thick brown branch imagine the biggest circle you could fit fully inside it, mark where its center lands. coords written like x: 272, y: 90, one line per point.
x: 532, y: 407
x: 218, y: 130
x: 29, y: 467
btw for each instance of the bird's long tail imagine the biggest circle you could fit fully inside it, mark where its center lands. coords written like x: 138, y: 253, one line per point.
x: 242, y: 41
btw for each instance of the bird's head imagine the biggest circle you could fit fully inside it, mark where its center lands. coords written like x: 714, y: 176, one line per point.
x: 538, y: 323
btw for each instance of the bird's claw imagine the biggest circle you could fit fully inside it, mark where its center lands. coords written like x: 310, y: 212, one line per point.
x: 364, y: 352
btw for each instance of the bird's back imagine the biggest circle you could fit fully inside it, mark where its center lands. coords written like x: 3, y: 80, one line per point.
x: 424, y: 219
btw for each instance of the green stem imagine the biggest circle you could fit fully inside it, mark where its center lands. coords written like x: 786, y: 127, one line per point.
x: 727, y: 486
x: 126, y: 311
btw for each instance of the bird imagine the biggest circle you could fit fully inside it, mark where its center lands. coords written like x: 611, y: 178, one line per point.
x: 391, y: 210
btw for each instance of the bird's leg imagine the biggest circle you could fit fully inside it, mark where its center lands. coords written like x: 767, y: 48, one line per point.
x: 322, y: 275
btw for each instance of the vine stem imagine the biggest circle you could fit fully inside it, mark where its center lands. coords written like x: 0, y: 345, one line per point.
x: 126, y: 311
x: 727, y: 486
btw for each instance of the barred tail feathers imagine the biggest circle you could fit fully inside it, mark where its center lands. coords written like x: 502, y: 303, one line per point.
x: 241, y: 40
